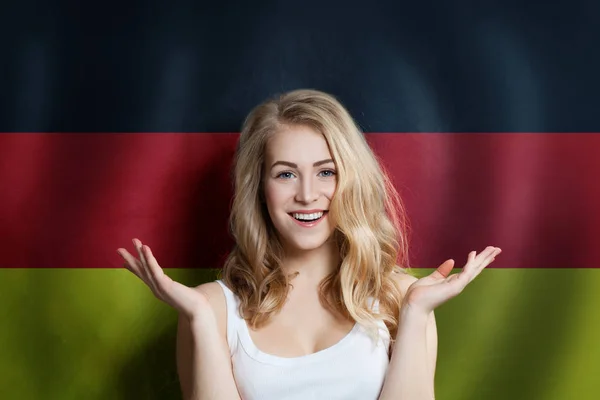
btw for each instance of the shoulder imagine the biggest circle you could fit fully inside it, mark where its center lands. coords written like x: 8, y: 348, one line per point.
x: 185, y: 342
x: 403, y: 279
x: 213, y: 291
x: 216, y: 298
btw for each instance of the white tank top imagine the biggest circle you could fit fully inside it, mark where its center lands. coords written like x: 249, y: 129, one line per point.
x: 353, y: 368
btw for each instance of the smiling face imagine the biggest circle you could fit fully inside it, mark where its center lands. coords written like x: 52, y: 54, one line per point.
x: 299, y: 183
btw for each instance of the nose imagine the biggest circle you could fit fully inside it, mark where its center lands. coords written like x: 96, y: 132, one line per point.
x: 307, y: 191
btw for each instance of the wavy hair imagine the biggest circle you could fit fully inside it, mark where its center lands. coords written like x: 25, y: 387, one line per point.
x: 371, y: 228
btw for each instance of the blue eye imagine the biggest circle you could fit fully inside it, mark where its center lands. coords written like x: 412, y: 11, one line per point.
x: 285, y: 175
x: 327, y: 173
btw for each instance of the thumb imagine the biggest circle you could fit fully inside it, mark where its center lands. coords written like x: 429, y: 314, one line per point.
x: 446, y: 268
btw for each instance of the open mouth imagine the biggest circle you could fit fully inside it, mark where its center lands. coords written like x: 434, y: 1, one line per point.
x: 308, y: 218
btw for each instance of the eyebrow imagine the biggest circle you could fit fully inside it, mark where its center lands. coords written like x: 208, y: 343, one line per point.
x: 292, y: 165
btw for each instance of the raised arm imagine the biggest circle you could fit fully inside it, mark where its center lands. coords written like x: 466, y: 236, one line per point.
x: 203, y: 360
x: 410, y: 375
x: 411, y: 372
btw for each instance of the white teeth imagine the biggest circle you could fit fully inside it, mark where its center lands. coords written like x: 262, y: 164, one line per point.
x: 308, y: 216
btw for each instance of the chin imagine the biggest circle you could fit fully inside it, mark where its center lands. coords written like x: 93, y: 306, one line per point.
x: 308, y: 243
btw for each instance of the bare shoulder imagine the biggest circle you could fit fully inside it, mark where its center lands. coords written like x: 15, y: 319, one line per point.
x: 403, y: 279
x: 185, y: 344
x: 216, y: 298
x: 213, y: 291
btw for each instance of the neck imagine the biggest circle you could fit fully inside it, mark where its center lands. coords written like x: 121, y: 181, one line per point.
x: 312, y: 266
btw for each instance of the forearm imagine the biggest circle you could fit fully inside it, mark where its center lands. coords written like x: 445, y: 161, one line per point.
x: 212, y: 376
x: 409, y: 375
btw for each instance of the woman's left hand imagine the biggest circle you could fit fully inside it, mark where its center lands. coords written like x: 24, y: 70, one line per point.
x: 429, y: 292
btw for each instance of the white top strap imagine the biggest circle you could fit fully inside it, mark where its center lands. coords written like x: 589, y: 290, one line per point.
x: 233, y: 317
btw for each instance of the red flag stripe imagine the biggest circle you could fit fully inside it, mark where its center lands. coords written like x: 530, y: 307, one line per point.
x: 70, y: 200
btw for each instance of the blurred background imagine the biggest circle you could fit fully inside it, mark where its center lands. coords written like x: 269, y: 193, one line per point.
x: 119, y: 120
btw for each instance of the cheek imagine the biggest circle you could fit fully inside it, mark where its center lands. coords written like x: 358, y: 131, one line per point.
x: 275, y: 195
x: 329, y: 190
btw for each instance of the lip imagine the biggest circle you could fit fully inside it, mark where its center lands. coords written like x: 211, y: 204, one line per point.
x: 307, y: 211
x: 308, y: 224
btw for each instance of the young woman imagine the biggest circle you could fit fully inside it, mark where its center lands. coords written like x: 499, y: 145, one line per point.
x: 315, y: 301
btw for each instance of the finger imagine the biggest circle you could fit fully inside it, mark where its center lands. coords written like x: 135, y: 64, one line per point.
x: 491, y: 253
x: 138, y: 247
x: 470, y: 264
x: 156, y: 272
x: 471, y: 259
x: 131, y: 263
x: 446, y: 268
x: 129, y: 260
x: 441, y: 272
x: 474, y: 259
x: 487, y: 252
x: 480, y: 262
x: 151, y: 273
x: 155, y: 284
x: 471, y: 256
x: 470, y: 267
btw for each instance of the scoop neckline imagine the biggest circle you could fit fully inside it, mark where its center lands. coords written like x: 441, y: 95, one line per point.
x: 257, y: 354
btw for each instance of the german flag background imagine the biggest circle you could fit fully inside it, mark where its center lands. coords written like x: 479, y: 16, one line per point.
x: 120, y: 120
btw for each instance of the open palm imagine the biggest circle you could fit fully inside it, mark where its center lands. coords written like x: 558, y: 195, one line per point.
x: 184, y: 299
x: 435, y: 289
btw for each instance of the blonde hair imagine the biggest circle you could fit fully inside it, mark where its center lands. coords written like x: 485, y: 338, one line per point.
x: 370, y: 222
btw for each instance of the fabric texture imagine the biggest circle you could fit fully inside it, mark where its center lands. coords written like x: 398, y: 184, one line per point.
x: 353, y: 368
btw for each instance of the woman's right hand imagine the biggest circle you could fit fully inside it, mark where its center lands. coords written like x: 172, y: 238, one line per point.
x: 188, y: 301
